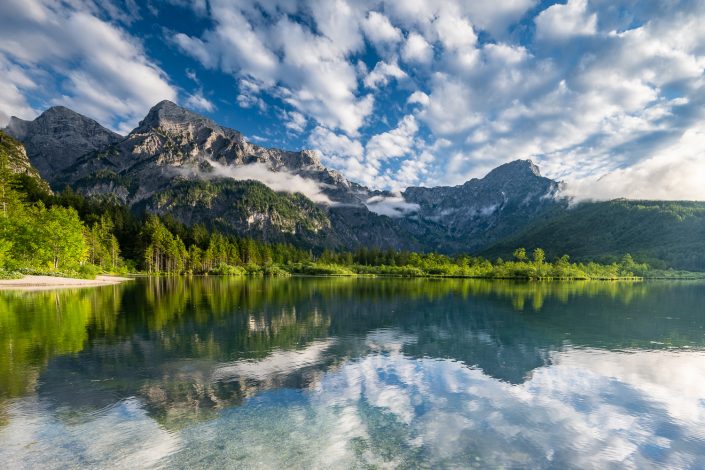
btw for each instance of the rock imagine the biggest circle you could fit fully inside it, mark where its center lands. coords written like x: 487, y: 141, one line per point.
x: 58, y: 137
x: 181, y: 163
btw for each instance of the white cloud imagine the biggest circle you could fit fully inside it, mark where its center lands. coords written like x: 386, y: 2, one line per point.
x: 395, y: 143
x: 13, y: 87
x: 380, y: 30
x: 249, y: 95
x: 382, y: 73
x: 495, y: 17
x: 199, y: 7
x: 307, y: 69
x: 103, y: 71
x: 450, y: 107
x: 391, y: 206
x: 296, y: 121
x: 676, y: 172
x: 321, y: 82
x: 418, y: 97
x: 328, y: 142
x: 417, y: 49
x: 195, y: 48
x: 199, y: 102
x: 562, y: 21
x: 279, y: 181
x: 233, y: 46
x: 455, y: 32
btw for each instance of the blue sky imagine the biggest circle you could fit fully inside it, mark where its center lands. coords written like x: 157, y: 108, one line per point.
x: 606, y: 95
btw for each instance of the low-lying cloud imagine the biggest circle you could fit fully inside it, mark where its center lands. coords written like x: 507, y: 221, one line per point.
x: 279, y: 181
x: 391, y: 206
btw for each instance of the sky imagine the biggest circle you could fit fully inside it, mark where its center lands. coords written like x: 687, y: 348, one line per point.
x: 606, y: 95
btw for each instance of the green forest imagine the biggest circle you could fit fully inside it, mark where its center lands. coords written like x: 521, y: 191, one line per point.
x: 68, y: 234
x: 661, y: 233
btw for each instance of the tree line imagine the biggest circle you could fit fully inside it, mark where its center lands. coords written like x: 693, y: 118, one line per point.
x: 70, y: 234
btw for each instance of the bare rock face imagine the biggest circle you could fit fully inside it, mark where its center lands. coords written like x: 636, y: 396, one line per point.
x: 181, y: 163
x: 58, y: 137
x: 481, y: 211
x: 173, y: 143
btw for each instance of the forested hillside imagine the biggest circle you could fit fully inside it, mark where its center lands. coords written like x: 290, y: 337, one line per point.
x: 662, y: 233
x: 70, y: 234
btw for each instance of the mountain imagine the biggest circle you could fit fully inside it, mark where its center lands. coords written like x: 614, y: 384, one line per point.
x: 13, y: 154
x: 174, y: 144
x: 58, y: 137
x: 484, y: 210
x: 179, y: 163
x: 662, y: 233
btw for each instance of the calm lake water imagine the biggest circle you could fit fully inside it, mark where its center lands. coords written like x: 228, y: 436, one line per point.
x: 354, y: 373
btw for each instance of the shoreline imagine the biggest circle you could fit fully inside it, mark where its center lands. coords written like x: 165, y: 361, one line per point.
x: 33, y: 283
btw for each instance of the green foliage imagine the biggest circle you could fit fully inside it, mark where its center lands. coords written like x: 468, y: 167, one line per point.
x: 321, y: 269
x: 58, y: 237
x: 68, y: 234
x: 34, y: 237
x: 661, y: 233
x: 10, y: 274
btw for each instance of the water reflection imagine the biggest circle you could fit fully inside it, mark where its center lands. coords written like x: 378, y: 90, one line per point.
x: 351, y: 372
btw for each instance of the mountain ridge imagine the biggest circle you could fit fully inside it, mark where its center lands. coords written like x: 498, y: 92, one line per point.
x: 181, y: 163
x: 58, y: 137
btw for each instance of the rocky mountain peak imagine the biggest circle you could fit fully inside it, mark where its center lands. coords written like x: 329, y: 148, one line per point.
x: 60, y: 122
x: 169, y: 116
x: 515, y: 170
x: 58, y: 137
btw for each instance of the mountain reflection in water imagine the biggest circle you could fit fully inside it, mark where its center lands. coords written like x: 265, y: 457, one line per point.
x: 199, y: 372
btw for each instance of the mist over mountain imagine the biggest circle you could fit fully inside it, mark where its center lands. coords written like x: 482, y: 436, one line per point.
x: 179, y: 163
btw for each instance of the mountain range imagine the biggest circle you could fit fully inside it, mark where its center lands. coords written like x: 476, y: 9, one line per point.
x: 180, y: 163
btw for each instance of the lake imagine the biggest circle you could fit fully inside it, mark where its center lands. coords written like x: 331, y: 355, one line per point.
x: 354, y: 373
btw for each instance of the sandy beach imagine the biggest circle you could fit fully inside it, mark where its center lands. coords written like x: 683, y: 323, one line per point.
x: 52, y: 282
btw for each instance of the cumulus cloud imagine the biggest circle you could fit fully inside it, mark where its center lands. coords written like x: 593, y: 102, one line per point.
x: 110, y: 77
x: 328, y: 142
x: 395, y: 143
x: 307, y: 69
x: 296, y: 121
x: 564, y: 20
x: 379, y: 30
x: 455, y: 32
x: 342, y: 153
x: 383, y: 73
x: 587, y: 91
x: 418, y: 97
x: 416, y: 49
x: 280, y: 181
x: 371, y: 164
x: 249, y: 95
x: 496, y: 17
x: 199, y: 102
